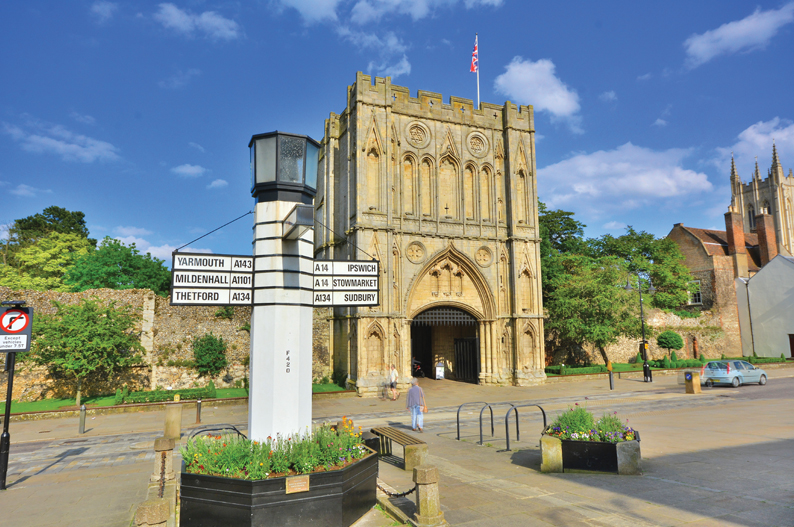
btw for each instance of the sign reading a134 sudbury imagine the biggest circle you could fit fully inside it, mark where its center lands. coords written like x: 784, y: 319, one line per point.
x: 201, y: 279
x: 347, y: 283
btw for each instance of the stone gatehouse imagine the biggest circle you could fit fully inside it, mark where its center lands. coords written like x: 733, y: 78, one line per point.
x: 444, y: 195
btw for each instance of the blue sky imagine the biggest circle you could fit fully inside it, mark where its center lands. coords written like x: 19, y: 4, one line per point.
x: 139, y: 113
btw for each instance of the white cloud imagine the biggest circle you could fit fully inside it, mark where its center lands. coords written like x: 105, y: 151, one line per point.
x: 131, y: 231
x: 4, y: 234
x: 660, y: 122
x: 196, y: 146
x: 608, y: 96
x: 26, y: 191
x: 391, y: 49
x: 313, y: 11
x: 188, y: 170
x: 402, y: 67
x: 210, y: 23
x: 756, y: 140
x: 614, y: 226
x: 218, y: 183
x: 163, y: 252
x: 644, y: 77
x: 39, y: 137
x: 368, y: 11
x: 627, y: 177
x: 535, y: 83
x: 84, y: 119
x: 748, y: 34
x: 103, y: 11
x: 180, y: 79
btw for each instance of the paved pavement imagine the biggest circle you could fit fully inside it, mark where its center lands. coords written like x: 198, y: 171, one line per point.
x: 722, y: 458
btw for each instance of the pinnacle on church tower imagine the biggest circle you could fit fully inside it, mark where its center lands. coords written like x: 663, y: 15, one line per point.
x: 734, y: 173
x: 777, y: 169
x: 757, y: 173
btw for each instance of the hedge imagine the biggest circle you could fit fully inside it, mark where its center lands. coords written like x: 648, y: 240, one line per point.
x: 572, y: 370
x: 158, y: 396
x: 763, y: 360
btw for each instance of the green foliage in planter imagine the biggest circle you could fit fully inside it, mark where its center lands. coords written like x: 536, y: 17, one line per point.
x: 235, y: 457
x: 578, y: 424
x: 210, y: 354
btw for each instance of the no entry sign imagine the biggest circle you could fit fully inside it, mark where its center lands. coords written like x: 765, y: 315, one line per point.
x: 15, y: 329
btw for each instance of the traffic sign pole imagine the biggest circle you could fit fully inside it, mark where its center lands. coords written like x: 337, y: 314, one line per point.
x: 5, y: 439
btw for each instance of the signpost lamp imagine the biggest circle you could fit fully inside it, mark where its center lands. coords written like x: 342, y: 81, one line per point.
x: 646, y: 369
x: 283, y: 182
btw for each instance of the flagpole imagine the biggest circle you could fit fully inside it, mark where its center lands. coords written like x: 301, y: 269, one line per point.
x: 476, y: 38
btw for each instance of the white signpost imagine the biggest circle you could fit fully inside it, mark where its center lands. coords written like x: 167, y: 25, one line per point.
x: 346, y: 283
x: 199, y: 279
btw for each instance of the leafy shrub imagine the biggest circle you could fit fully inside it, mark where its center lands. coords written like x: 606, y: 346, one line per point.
x: 239, y: 458
x: 226, y: 312
x: 210, y: 354
x: 765, y: 360
x: 666, y: 362
x: 670, y: 340
x: 684, y: 313
x: 580, y: 425
x: 576, y: 419
x: 638, y: 358
x: 673, y: 357
x: 569, y: 370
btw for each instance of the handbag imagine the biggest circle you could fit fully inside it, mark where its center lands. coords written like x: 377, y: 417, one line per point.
x: 424, y: 404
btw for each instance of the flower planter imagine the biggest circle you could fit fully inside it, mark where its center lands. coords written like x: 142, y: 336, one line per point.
x: 566, y: 455
x: 335, y: 498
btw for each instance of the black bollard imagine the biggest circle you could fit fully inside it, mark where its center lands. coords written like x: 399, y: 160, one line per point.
x: 81, y: 429
x: 198, y: 412
x: 611, y: 381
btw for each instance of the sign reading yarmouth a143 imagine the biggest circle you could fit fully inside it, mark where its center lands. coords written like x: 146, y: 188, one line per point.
x: 15, y: 329
x: 200, y: 279
x: 346, y: 283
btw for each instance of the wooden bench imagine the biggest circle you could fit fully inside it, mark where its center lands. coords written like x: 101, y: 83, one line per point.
x: 415, y: 449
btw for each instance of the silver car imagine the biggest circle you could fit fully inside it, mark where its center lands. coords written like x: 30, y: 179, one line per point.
x: 733, y: 372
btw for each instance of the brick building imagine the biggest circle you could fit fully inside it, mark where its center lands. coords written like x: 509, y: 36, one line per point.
x: 444, y: 196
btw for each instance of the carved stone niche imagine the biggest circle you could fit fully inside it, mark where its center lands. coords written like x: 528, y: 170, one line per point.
x: 416, y: 252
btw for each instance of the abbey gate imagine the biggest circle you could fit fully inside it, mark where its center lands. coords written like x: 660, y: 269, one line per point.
x: 445, y: 197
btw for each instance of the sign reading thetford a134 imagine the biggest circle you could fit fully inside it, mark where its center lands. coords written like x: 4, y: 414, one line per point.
x: 200, y: 279
x: 346, y: 283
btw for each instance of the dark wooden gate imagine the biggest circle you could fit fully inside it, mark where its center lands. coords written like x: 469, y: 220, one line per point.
x: 467, y: 359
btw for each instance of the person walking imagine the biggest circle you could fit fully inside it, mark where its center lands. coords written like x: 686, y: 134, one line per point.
x: 415, y: 401
x: 393, y: 383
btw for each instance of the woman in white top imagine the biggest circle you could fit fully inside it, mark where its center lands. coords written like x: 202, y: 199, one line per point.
x: 393, y: 383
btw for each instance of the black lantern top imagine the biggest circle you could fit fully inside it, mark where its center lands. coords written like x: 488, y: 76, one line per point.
x: 284, y: 167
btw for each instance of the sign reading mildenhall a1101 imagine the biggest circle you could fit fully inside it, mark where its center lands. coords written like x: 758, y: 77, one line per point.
x: 200, y: 279
x: 348, y: 283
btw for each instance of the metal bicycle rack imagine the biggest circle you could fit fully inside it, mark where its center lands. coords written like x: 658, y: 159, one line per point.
x: 490, y: 406
x: 464, y: 404
x: 507, y: 427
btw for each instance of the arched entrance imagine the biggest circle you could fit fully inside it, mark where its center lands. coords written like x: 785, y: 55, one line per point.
x: 448, y: 336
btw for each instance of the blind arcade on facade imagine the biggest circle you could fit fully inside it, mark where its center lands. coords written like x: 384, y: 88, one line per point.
x: 200, y: 279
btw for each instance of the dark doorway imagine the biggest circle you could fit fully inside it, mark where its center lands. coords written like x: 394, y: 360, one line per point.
x: 791, y: 344
x: 467, y: 359
x: 447, y: 336
x: 422, y: 348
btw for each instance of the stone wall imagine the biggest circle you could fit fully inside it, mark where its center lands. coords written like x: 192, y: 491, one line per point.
x: 167, y: 334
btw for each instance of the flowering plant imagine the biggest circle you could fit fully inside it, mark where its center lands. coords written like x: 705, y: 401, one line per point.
x: 578, y: 424
x: 236, y: 457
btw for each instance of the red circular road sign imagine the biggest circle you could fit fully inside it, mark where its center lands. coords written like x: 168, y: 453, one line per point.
x: 14, y: 321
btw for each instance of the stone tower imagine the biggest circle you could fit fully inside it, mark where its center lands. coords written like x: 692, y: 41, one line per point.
x: 444, y: 195
x: 773, y: 195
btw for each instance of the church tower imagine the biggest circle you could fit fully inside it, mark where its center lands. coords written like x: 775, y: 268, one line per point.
x: 444, y: 195
x: 773, y: 195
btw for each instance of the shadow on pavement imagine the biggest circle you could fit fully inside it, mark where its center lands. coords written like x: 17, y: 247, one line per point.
x: 60, y: 457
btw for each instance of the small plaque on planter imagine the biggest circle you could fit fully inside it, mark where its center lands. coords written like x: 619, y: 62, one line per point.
x: 298, y: 484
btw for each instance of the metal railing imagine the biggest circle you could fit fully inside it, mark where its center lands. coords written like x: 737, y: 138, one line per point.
x: 515, y: 408
x: 215, y: 428
x: 464, y: 404
x: 489, y: 406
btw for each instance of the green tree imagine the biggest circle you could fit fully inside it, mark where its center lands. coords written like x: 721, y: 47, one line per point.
x: 658, y: 259
x: 670, y: 340
x: 560, y: 234
x: 587, y: 303
x: 29, y: 230
x: 85, y: 341
x: 42, y: 265
x: 209, y: 352
x: 114, y: 265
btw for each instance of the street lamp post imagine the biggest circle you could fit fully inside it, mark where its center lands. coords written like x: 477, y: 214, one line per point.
x: 646, y: 368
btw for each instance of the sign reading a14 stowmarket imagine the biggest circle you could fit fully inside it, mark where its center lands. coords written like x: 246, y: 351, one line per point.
x: 200, y: 279
x: 346, y: 283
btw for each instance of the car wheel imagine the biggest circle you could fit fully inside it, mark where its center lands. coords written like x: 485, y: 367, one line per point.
x: 709, y: 384
x: 735, y: 382
x: 762, y: 380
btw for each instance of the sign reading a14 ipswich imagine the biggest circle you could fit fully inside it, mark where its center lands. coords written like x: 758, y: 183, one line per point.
x: 346, y: 283
x: 200, y: 279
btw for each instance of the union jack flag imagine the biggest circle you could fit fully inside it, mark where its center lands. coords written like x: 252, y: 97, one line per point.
x: 474, y: 55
